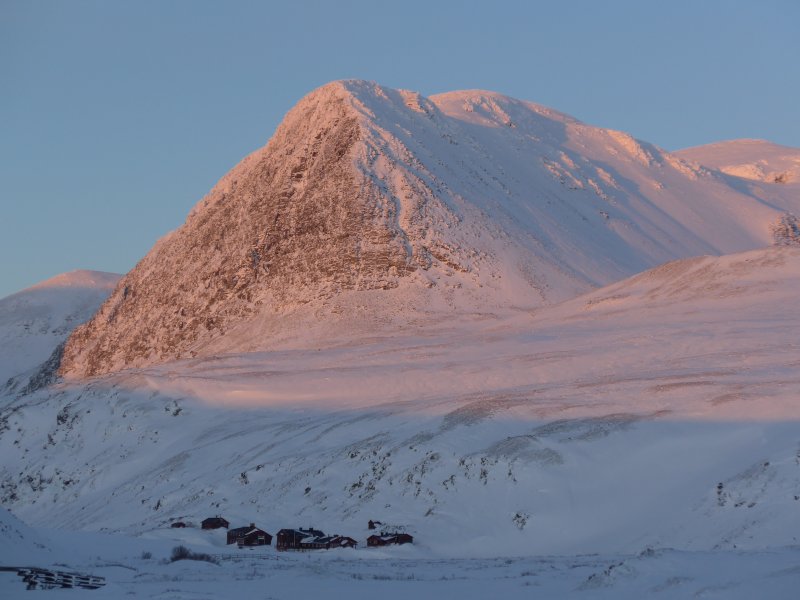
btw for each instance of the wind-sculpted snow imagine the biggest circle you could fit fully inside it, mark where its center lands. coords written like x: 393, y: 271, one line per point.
x: 659, y: 411
x: 373, y: 209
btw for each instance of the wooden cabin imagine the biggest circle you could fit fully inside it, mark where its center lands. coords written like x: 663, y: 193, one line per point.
x: 311, y: 539
x: 342, y: 541
x: 291, y: 539
x: 178, y: 525
x: 386, y: 539
x: 215, y: 523
x: 249, y: 536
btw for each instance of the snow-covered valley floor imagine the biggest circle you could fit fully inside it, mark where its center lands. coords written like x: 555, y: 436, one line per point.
x: 404, y: 571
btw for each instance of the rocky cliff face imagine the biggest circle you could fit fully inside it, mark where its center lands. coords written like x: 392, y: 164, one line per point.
x: 294, y: 223
x: 371, y: 205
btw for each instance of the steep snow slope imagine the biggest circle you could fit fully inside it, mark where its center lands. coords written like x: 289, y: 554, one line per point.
x: 372, y: 207
x: 752, y: 159
x: 661, y: 410
x: 36, y: 320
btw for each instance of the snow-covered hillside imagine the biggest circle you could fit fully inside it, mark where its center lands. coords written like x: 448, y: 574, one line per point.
x: 659, y: 411
x: 759, y: 160
x: 372, y: 207
x: 35, y: 321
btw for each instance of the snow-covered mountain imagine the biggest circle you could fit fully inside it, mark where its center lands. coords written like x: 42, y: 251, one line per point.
x: 460, y: 315
x: 658, y: 411
x: 759, y: 160
x: 37, y: 320
x: 372, y: 208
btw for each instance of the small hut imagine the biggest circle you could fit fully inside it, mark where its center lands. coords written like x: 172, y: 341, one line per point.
x: 215, y: 523
x: 386, y: 539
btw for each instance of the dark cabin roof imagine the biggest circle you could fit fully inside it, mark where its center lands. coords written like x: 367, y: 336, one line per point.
x: 215, y: 521
x: 302, y: 533
x: 343, y: 539
x: 249, y: 531
x: 243, y: 530
x: 392, y: 538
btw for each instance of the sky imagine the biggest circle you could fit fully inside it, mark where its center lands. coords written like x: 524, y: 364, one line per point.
x: 117, y: 117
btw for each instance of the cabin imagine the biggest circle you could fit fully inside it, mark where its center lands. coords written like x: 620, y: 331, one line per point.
x: 342, y: 541
x: 327, y: 542
x: 249, y: 536
x: 178, y: 525
x: 373, y: 524
x: 314, y: 543
x: 311, y: 539
x: 291, y: 539
x: 386, y: 539
x: 215, y: 523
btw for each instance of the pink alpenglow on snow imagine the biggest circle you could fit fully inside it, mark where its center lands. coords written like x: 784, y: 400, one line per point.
x: 372, y: 207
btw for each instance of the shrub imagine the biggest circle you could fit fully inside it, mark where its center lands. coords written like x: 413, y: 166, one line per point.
x: 183, y: 553
x: 786, y: 231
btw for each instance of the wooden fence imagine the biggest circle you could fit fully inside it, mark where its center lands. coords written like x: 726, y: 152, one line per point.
x: 47, y: 579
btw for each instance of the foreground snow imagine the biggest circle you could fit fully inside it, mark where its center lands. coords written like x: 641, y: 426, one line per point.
x: 403, y: 572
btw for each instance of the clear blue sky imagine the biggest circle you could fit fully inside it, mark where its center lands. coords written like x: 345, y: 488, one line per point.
x: 116, y: 117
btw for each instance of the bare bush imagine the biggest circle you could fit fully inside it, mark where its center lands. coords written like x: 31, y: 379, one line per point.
x: 183, y: 553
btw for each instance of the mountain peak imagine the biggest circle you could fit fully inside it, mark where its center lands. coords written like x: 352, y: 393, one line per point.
x: 80, y: 278
x: 371, y: 208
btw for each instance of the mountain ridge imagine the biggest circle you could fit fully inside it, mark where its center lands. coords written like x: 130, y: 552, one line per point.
x: 754, y: 159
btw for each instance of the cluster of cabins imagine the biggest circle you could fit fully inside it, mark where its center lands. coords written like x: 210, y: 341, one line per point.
x: 298, y: 539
